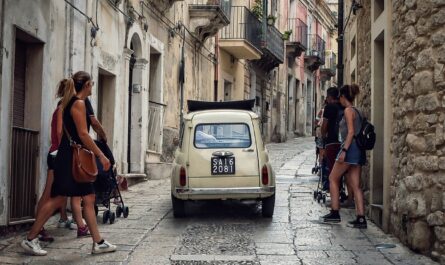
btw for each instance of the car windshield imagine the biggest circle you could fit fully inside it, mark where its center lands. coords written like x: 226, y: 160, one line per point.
x: 225, y: 135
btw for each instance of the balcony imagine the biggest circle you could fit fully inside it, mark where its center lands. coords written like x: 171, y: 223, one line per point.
x: 297, y: 42
x: 315, y: 54
x: 207, y: 17
x: 159, y: 4
x: 272, y: 48
x: 242, y: 38
x: 329, y: 69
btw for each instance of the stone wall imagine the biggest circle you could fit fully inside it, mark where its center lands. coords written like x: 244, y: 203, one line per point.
x: 418, y: 143
x: 364, y: 76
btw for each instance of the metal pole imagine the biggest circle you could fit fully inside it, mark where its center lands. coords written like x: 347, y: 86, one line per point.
x: 181, y: 84
x: 340, y: 39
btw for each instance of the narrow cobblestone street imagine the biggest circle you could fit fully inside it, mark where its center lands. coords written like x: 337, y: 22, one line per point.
x: 227, y: 232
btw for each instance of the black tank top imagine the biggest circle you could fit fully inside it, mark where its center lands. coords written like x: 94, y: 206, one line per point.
x: 69, y: 124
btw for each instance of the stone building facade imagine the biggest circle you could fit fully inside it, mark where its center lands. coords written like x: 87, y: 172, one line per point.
x: 132, y: 49
x: 310, y: 66
x: 400, y: 69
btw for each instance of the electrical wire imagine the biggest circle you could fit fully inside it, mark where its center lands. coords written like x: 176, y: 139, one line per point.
x: 171, y: 25
x: 120, y: 11
x: 81, y: 12
x: 349, y: 16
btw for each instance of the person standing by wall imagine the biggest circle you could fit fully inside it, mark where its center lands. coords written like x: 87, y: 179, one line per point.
x: 350, y: 159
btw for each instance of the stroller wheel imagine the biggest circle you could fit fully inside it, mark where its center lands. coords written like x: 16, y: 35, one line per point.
x: 96, y: 209
x: 112, y: 218
x: 119, y: 211
x: 105, y: 216
x: 315, y: 194
x: 126, y: 211
x: 319, y: 197
x: 343, y: 196
x: 324, y: 198
x: 313, y: 171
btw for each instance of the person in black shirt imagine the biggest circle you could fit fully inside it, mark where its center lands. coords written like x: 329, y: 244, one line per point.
x: 333, y: 112
x: 332, y: 115
x: 97, y: 126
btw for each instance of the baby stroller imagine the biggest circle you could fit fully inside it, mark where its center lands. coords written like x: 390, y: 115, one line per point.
x: 107, y: 188
x: 322, y: 169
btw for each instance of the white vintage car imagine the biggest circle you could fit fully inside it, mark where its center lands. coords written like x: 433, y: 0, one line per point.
x: 221, y: 156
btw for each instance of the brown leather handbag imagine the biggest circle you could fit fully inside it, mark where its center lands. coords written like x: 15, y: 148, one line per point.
x: 84, y: 168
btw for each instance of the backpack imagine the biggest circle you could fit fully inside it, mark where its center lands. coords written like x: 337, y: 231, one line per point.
x: 366, y: 137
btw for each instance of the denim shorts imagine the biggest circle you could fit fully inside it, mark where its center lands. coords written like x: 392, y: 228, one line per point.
x: 354, y: 155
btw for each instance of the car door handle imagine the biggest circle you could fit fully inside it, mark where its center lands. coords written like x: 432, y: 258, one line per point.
x: 248, y: 150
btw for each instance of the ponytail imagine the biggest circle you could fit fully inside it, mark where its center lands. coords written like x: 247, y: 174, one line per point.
x: 69, y: 92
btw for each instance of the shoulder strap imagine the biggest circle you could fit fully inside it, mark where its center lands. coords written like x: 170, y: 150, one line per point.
x: 68, y: 134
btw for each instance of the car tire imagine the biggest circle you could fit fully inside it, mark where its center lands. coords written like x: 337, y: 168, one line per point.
x: 268, y: 206
x: 178, y: 207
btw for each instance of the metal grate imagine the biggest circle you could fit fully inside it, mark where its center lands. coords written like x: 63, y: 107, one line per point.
x: 24, y: 154
x: 155, y: 115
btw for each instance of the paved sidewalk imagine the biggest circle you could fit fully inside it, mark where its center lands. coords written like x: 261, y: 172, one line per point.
x: 231, y: 233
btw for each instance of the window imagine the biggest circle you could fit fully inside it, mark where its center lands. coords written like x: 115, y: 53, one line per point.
x: 353, y: 47
x: 379, y: 7
x: 222, y: 135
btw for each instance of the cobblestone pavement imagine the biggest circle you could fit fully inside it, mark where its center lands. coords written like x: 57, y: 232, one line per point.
x: 230, y: 233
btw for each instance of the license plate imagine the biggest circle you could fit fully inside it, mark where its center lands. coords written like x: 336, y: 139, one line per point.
x: 223, y: 165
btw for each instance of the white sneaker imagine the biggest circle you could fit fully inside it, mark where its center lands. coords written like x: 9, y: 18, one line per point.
x: 33, y: 247
x: 103, y: 248
x: 71, y: 224
x: 61, y: 223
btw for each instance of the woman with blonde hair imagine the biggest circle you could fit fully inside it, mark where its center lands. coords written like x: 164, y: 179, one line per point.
x: 77, y: 125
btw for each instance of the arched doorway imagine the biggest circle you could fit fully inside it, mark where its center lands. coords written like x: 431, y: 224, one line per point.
x: 134, y: 156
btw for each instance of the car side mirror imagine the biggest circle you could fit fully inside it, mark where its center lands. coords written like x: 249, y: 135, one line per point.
x: 175, y: 141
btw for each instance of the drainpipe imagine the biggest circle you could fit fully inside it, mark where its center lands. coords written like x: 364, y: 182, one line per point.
x: 2, y: 48
x: 216, y: 74
x: 181, y: 83
x: 340, y: 38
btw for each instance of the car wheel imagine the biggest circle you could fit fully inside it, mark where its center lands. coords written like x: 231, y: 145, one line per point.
x: 178, y: 207
x: 268, y: 206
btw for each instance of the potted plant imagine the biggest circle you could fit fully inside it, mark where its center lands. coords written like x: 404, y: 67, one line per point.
x: 257, y: 9
x: 271, y: 20
x: 286, y: 34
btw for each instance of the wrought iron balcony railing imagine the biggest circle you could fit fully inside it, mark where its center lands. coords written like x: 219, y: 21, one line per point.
x: 299, y: 32
x: 330, y: 67
x: 243, y: 25
x: 316, y: 47
x: 331, y: 61
x: 220, y: 5
x: 274, y: 43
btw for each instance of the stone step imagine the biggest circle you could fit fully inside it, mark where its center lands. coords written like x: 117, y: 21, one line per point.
x: 158, y: 170
x: 134, y: 178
